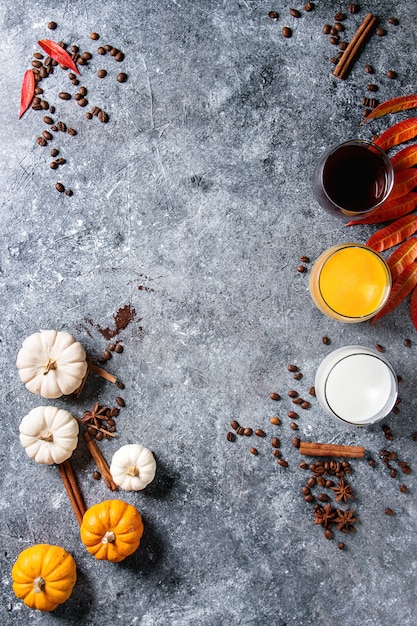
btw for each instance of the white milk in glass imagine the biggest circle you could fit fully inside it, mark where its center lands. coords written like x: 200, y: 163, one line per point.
x: 356, y: 385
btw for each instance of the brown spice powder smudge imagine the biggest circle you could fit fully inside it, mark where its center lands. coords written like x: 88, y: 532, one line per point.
x: 122, y: 319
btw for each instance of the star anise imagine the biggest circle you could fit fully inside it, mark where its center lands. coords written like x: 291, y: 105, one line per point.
x: 324, y: 515
x: 342, y: 491
x: 95, y: 415
x: 345, y: 520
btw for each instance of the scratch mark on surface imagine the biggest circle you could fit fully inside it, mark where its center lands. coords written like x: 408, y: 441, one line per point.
x: 150, y: 93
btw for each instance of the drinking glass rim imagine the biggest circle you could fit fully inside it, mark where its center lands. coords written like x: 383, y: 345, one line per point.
x: 339, y: 248
x: 390, y: 173
x: 389, y: 367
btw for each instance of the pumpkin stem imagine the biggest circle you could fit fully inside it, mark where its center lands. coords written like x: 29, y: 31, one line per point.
x: 132, y: 471
x: 47, y: 436
x: 49, y: 365
x: 109, y: 537
x: 38, y: 584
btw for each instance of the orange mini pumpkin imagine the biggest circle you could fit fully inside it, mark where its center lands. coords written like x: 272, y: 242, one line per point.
x: 44, y: 576
x: 111, y: 530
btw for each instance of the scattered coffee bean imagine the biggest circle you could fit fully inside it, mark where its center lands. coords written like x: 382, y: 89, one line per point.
x: 96, y: 475
x: 119, y: 57
x: 101, y: 50
x: 103, y: 117
x: 260, y: 433
x: 305, y: 490
x: 240, y: 430
x: 89, y: 116
x: 334, y: 40
x: 326, y: 340
x: 292, y: 415
x: 247, y: 432
x: 82, y: 102
x: 380, y: 32
x: 48, y: 120
x: 341, y: 545
x: 52, y: 25
x: 328, y: 534
x: 282, y: 462
x: 41, y: 141
x: 303, y: 465
x: 276, y: 421
x: 293, y: 393
x: 234, y: 424
x: 294, y: 425
x: 304, y: 259
x: 54, y: 152
x: 305, y: 404
x: 371, y: 462
x: 393, y: 21
x: 343, y: 45
x: 407, y: 343
x: 71, y: 131
x: 101, y: 73
x: 295, y: 13
x: 309, y: 6
x: 274, y: 396
x: 121, y: 77
x: 339, y: 27
x: 292, y: 368
x: 391, y: 74
x: 253, y: 451
x: 64, y: 95
x: 323, y: 497
x: 389, y: 512
x: 120, y: 401
x: 53, y: 165
x: 326, y: 29
x: 339, y: 17
x: 59, y: 187
x: 354, y: 8
x: 309, y: 498
x: 286, y: 32
x: 379, y: 348
x: 312, y: 391
x: 48, y: 136
x: 230, y: 436
x: 273, y: 15
x: 275, y: 442
x: 296, y: 442
x: 94, y: 36
x: 69, y: 192
x: 372, y: 87
x: 369, y: 69
x: 403, y: 488
x: 297, y: 400
x: 301, y: 269
x: 276, y: 453
x: 298, y: 376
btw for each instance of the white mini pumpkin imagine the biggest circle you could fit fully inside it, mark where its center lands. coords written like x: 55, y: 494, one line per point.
x: 133, y: 467
x: 48, y: 434
x: 51, y: 363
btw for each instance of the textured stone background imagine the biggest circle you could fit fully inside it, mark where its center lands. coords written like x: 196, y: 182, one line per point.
x: 192, y: 207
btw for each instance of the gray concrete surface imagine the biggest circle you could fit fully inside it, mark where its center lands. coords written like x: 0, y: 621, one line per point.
x: 192, y: 206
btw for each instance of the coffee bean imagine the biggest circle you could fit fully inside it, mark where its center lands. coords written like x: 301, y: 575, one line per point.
x: 48, y: 136
x: 122, y: 77
x: 86, y: 56
x: 248, y: 432
x: 371, y: 462
x: 391, y: 74
x: 326, y: 29
x: 311, y: 482
x: 103, y: 117
x: 36, y: 63
x: 341, y: 545
x: 118, y: 348
x: 52, y: 109
x: 101, y: 73
x: 274, y: 396
x: 276, y: 453
x: 230, y: 436
x: 380, y: 32
x: 303, y: 465
x: 297, y: 400
x: 119, y: 57
x: 407, y: 343
x: 325, y: 340
x: 296, y: 442
x: 379, y: 348
x: 312, y: 391
x: 323, y: 497
x: 403, y: 488
x: 41, y: 141
x: 305, y: 405
x: 305, y: 490
x: 286, y: 32
x: 292, y: 415
x: 389, y: 512
x: 48, y: 120
x: 339, y: 27
x: 120, y: 401
x: 61, y: 126
x: 75, y: 49
x: 334, y: 40
x: 59, y: 187
x: 77, y: 96
x: 273, y: 15
x: 53, y: 165
x: 64, y: 95
x: 295, y: 13
x: 54, y: 152
x: 292, y: 368
x: 82, y: 102
x: 253, y: 451
x: 293, y: 393
x: 343, y: 45
x: 83, y: 91
x: 54, y: 128
x: 393, y: 21
x: 113, y: 51
x: 328, y: 534
x: 339, y: 17
x: 282, y: 462
x: 234, y: 424
x: 301, y: 269
x: 354, y: 8
x: 276, y: 421
x: 71, y: 131
x: 88, y: 115
x: 94, y: 36
x: 275, y: 443
x: 107, y: 355
x: 52, y: 25
x: 298, y: 376
x: 260, y: 433
x: 309, y: 6
x: 101, y: 50
x: 294, y: 425
x: 240, y: 430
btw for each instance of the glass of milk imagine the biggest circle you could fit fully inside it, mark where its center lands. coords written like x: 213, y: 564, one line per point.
x: 356, y: 385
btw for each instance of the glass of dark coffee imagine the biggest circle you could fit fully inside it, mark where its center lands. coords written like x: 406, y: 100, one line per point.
x: 353, y: 179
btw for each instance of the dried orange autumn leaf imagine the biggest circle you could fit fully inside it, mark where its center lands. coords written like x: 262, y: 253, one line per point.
x: 398, y: 133
x: 393, y: 234
x: 405, y: 254
x: 404, y: 285
x: 413, y: 307
x: 404, y: 182
x: 390, y: 210
x: 401, y: 103
x: 407, y: 157
x: 58, y: 53
x: 27, y: 92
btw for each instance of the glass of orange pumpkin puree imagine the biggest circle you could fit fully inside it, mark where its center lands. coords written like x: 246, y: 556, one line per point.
x: 350, y: 282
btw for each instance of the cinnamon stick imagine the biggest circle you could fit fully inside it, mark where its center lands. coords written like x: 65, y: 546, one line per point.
x: 96, y: 369
x: 310, y: 448
x: 100, y: 461
x: 349, y: 56
x: 72, y: 489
